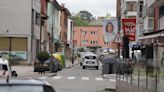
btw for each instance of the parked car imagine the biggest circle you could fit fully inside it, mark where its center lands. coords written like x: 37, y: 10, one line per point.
x: 90, y: 60
x: 5, y: 69
x: 24, y: 85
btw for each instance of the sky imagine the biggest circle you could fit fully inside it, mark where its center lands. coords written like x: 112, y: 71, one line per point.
x: 96, y: 7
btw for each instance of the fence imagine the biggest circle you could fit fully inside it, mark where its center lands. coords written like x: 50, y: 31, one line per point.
x: 145, y: 74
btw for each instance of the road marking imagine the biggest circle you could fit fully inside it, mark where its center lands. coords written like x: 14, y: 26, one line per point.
x: 85, y: 78
x: 112, y: 80
x: 71, y: 78
x: 42, y: 78
x: 57, y: 77
x: 99, y: 79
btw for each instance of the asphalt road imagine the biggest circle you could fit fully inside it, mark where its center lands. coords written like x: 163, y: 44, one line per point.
x: 75, y: 79
x: 78, y: 80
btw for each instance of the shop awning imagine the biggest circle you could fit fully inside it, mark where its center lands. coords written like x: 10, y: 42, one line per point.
x: 156, y: 34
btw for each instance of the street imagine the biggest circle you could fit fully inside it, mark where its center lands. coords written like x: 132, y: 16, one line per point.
x: 76, y: 79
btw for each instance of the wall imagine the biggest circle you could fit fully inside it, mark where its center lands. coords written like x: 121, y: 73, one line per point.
x: 161, y: 23
x: 15, y: 16
x: 79, y: 36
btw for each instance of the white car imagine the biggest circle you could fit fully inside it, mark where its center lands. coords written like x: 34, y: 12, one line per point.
x: 5, y: 69
x: 90, y: 60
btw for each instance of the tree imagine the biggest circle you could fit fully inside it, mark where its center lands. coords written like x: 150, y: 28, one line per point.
x: 79, y: 21
x: 43, y: 56
x: 85, y: 15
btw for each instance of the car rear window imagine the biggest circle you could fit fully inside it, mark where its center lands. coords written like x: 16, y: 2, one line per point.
x: 3, y: 67
x: 90, y: 57
x: 21, y: 88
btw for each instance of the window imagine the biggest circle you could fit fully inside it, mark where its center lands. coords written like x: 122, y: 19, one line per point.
x: 141, y: 9
x: 161, y: 11
x: 37, y: 19
x: 150, y: 24
x: 84, y: 42
x: 90, y: 57
x: 106, y: 43
x: 93, y: 32
x: 131, y: 6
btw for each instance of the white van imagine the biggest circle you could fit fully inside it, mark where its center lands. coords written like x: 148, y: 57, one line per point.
x: 5, y: 69
x: 90, y: 60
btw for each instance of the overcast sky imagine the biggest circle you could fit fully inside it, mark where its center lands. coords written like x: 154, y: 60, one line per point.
x: 96, y: 7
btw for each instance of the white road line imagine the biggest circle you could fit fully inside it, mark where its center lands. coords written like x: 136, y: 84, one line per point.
x: 112, y: 80
x: 85, y: 78
x: 57, y: 77
x: 71, y: 78
x: 42, y: 78
x: 99, y: 79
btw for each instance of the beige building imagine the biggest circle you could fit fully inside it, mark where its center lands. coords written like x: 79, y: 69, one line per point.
x: 20, y: 29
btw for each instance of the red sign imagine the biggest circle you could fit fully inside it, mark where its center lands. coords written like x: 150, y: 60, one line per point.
x: 129, y: 28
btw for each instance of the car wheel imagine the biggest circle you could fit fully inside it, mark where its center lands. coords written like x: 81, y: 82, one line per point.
x: 80, y: 64
x: 83, y: 67
x: 97, y: 67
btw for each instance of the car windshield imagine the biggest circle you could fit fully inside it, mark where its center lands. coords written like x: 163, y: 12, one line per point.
x: 90, y: 57
x: 3, y: 67
x: 21, y: 89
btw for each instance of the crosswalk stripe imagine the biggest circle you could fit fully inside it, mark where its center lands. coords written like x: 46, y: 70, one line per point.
x: 112, y: 80
x: 99, y: 79
x: 85, y: 78
x: 71, y: 78
x: 41, y: 78
x: 57, y: 77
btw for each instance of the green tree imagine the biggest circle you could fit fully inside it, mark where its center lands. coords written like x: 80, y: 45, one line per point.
x: 43, y: 56
x: 85, y: 15
x: 79, y: 21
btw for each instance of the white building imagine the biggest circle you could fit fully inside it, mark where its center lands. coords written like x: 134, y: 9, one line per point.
x: 20, y: 29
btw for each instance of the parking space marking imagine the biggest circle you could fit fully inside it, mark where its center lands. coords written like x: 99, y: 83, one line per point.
x: 112, y: 80
x: 42, y: 78
x: 85, y: 78
x: 71, y: 78
x: 57, y: 77
x: 99, y: 79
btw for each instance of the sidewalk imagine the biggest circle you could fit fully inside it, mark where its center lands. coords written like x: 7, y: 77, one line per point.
x: 68, y: 63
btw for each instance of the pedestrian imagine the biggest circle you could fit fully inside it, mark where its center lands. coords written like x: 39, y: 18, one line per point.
x: 162, y: 61
x: 72, y: 61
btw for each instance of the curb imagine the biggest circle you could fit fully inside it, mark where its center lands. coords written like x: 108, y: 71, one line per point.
x: 110, y: 89
x: 50, y: 75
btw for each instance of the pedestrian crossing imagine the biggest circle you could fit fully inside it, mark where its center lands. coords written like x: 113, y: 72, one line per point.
x: 84, y: 78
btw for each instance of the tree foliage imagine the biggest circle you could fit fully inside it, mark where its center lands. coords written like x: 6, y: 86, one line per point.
x: 83, y: 18
x: 43, y: 56
x: 79, y: 21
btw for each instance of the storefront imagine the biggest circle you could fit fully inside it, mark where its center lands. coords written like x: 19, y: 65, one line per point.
x: 14, y: 48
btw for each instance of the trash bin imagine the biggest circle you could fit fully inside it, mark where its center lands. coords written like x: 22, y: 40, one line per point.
x: 109, y: 66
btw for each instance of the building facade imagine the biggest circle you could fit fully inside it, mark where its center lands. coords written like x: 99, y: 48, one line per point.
x: 20, y: 29
x: 90, y: 37
x: 64, y: 30
x: 53, y: 26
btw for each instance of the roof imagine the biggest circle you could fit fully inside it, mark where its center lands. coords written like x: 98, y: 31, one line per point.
x: 13, y: 81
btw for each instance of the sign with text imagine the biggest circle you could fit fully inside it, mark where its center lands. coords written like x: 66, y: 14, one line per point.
x: 129, y: 28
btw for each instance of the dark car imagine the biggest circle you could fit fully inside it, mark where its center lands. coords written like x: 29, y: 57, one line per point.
x: 24, y: 85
